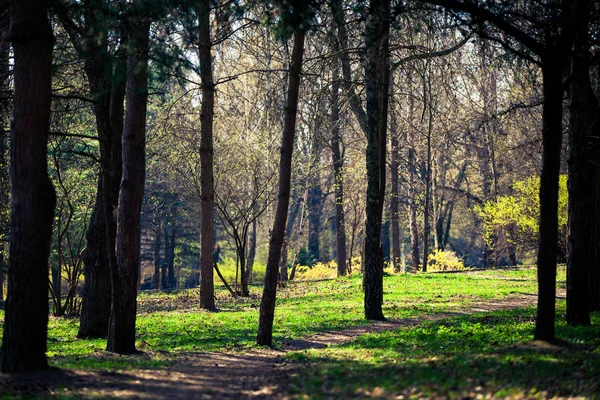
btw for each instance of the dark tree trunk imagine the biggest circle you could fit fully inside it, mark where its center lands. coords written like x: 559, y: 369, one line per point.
x: 33, y: 196
x: 267, y: 304
x: 428, y: 182
x: 157, y: 260
x: 338, y: 171
x: 584, y: 179
x: 376, y: 82
x: 164, y: 278
x: 252, y: 247
x: 207, y: 288
x: 394, y: 204
x: 171, y: 260
x: 4, y: 136
x: 548, y: 246
x: 121, y: 333
x: 315, y: 199
x: 107, y: 84
x: 412, y: 189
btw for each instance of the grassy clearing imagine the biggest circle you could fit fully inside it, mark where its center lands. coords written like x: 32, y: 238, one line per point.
x: 170, y: 323
x: 478, y: 356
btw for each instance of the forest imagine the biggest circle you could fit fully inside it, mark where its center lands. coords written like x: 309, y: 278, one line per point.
x: 300, y: 198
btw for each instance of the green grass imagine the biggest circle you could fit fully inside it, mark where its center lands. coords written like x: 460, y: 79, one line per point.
x: 169, y: 323
x: 485, y: 355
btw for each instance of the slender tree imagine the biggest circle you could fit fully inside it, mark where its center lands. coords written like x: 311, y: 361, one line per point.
x: 267, y: 304
x: 207, y: 290
x: 338, y: 171
x: 106, y: 76
x: 124, y: 276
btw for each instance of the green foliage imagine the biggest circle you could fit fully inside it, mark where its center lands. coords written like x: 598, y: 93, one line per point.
x: 516, y: 217
x: 304, y: 257
x: 444, y: 260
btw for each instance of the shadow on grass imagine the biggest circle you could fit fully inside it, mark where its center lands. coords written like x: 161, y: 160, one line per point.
x: 460, y: 357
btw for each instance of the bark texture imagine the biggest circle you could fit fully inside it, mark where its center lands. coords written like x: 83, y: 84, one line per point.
x: 107, y: 84
x: 548, y: 244
x: 584, y: 179
x: 33, y: 197
x: 376, y: 82
x: 207, y: 289
x: 338, y: 171
x: 267, y: 304
x: 125, y: 277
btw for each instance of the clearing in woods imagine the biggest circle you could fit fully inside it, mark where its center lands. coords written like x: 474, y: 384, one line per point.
x: 448, y: 335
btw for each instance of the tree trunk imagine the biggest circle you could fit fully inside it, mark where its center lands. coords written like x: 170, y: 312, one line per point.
x: 584, y: 179
x: 4, y: 136
x: 121, y: 333
x: 377, y: 86
x: 252, y: 249
x: 164, y: 278
x: 395, y: 201
x: 33, y: 197
x: 338, y: 171
x: 108, y: 90
x: 548, y: 245
x: 412, y: 182
x: 267, y: 304
x: 171, y: 260
x: 315, y: 199
x: 207, y: 289
x: 426, y: 211
x: 157, y: 260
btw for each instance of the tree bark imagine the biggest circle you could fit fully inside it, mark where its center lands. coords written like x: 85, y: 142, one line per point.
x: 377, y: 86
x: 107, y: 84
x: 157, y: 260
x: 207, y: 288
x: 412, y: 182
x: 428, y: 180
x: 33, y: 196
x: 584, y: 179
x: 395, y: 188
x: 124, y: 278
x: 315, y: 199
x: 171, y: 260
x: 548, y: 246
x: 338, y: 171
x: 4, y: 137
x: 267, y: 304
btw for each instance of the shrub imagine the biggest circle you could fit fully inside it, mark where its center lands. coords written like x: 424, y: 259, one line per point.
x: 317, y: 271
x: 441, y: 260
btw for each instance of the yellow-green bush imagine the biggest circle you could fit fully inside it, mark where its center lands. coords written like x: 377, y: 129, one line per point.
x: 441, y: 260
x: 317, y: 271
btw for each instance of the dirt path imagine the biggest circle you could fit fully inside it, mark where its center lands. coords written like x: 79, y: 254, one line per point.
x: 258, y: 374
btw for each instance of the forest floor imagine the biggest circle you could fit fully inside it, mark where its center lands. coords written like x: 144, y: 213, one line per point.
x: 338, y: 363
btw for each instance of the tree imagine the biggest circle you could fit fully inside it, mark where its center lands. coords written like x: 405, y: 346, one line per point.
x: 338, y: 171
x: 33, y: 197
x: 207, y: 290
x: 105, y: 68
x: 377, y: 86
x: 267, y: 304
x: 583, y: 266
x: 548, y: 47
x: 124, y: 275
x: 4, y: 137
